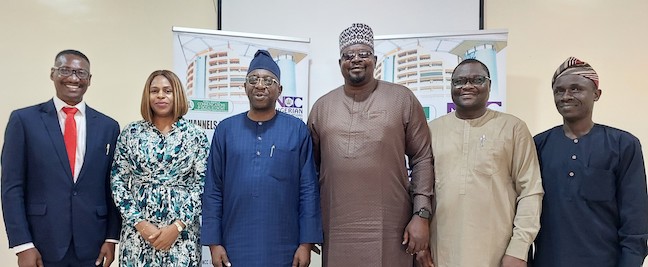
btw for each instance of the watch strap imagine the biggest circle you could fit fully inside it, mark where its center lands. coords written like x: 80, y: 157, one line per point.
x: 178, y: 226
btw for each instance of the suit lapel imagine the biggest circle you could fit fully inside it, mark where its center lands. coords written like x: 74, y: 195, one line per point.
x: 50, y: 119
x: 92, y: 139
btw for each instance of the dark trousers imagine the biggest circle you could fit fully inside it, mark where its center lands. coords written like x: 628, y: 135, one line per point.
x: 71, y: 260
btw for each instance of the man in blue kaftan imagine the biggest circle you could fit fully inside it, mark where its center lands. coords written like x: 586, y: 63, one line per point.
x: 261, y: 205
x: 595, y: 208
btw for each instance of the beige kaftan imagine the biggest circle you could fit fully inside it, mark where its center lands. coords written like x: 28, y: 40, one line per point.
x: 488, y: 190
x: 360, y: 143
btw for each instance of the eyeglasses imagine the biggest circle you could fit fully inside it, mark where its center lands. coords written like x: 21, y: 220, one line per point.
x: 267, y: 81
x: 477, y: 80
x: 65, y: 72
x: 352, y: 54
x: 560, y: 91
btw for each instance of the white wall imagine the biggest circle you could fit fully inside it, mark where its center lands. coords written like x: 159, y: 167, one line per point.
x: 610, y: 35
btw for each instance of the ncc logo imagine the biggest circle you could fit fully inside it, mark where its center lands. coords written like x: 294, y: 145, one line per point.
x: 290, y: 102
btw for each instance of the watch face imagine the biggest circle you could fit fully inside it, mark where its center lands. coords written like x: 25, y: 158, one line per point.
x: 423, y: 214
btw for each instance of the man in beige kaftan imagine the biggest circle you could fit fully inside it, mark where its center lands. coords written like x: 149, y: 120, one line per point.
x: 362, y: 132
x: 488, y: 188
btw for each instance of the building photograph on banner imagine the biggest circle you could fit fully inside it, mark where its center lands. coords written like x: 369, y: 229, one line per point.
x: 213, y: 66
x: 424, y: 64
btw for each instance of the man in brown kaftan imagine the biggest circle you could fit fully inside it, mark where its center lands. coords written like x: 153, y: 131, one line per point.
x: 373, y: 214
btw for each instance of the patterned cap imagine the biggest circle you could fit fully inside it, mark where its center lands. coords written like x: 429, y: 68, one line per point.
x: 263, y: 60
x: 575, y: 66
x: 358, y: 33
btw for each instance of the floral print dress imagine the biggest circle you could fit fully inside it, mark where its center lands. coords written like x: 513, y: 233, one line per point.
x: 159, y: 178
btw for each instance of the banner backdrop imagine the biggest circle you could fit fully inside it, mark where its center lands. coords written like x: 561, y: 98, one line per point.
x: 424, y: 64
x: 213, y: 66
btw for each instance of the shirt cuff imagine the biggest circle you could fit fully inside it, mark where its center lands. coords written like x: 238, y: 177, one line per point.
x: 26, y: 246
x: 518, y: 249
x: 23, y: 247
x: 422, y: 201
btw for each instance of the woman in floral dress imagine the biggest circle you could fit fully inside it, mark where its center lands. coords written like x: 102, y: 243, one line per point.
x: 157, y: 179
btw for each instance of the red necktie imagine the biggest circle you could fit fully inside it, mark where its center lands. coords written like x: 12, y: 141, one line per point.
x: 70, y: 136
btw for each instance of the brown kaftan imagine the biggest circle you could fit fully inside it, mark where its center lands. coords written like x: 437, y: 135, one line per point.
x: 360, y: 140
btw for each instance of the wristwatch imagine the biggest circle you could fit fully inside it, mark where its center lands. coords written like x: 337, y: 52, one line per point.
x: 423, y: 213
x: 178, y: 225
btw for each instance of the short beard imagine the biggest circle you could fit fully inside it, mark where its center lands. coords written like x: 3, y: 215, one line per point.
x: 357, y: 79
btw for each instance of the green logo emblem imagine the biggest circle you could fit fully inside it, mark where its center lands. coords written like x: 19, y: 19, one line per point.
x: 209, y: 105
